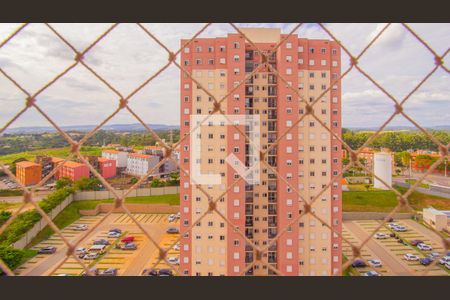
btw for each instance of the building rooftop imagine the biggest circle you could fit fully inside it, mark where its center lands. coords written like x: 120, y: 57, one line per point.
x: 57, y: 159
x: 139, y: 155
x: 111, y: 151
x: 103, y: 159
x: 27, y: 164
x: 73, y: 164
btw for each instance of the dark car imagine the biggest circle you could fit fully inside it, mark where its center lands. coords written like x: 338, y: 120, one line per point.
x: 101, y: 242
x: 150, y: 272
x: 359, y: 264
x: 426, y: 261
x: 393, y: 235
x: 415, y: 242
x: 109, y: 272
x: 94, y: 272
x: 165, y: 272
x: 172, y: 230
x: 390, y: 220
x: 115, y: 230
x: 47, y: 250
x: 129, y: 246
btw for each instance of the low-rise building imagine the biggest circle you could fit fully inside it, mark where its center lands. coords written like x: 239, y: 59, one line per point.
x: 140, y: 164
x: 73, y: 170
x: 438, y: 219
x: 120, y: 157
x: 107, y: 167
x: 28, y: 173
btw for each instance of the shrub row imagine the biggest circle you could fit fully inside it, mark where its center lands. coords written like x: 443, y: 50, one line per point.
x: 24, y: 222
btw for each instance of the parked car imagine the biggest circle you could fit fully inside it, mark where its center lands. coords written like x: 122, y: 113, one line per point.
x: 114, y: 234
x: 81, y: 250
x: 174, y: 260
x: 91, y: 256
x: 416, y: 242
x: 165, y: 272
x: 176, y: 247
x: 129, y: 246
x: 434, y: 255
x: 172, y: 230
x: 371, y: 273
x: 390, y: 220
x: 94, y: 272
x: 447, y: 265
x: 392, y: 225
x: 393, y: 235
x: 116, y: 230
x: 109, y: 272
x: 376, y: 263
x: 128, y: 239
x: 424, y: 247
x: 81, y: 227
x: 101, y: 242
x: 381, y: 236
x: 171, y: 218
x: 359, y: 264
x: 400, y: 229
x: 47, y: 250
x: 410, y: 257
x: 426, y: 261
x: 444, y: 260
x: 178, y: 215
x: 150, y: 272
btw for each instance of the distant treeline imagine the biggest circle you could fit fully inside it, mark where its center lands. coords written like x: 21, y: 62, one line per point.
x: 397, y: 141
x: 14, y: 143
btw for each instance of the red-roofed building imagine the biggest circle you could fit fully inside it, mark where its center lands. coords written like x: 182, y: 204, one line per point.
x: 107, y: 167
x: 28, y: 173
x: 73, y: 171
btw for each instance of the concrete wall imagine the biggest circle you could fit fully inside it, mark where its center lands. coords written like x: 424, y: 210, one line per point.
x: 26, y: 239
x: 133, y: 208
x: 373, y: 216
x: 99, y: 195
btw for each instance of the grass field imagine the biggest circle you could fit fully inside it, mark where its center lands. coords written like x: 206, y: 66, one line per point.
x: 58, y: 152
x: 72, y: 212
x: 385, y: 201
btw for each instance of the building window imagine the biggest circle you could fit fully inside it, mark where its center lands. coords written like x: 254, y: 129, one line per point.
x: 288, y: 45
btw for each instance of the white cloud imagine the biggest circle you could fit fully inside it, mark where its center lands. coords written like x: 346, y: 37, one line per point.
x: 128, y: 56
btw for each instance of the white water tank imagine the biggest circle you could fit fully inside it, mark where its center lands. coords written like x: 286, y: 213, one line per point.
x: 382, y: 169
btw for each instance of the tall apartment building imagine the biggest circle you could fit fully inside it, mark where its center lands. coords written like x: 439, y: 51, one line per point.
x: 28, y: 173
x: 308, y: 157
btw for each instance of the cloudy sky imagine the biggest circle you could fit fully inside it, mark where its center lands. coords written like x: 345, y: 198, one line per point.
x: 127, y: 56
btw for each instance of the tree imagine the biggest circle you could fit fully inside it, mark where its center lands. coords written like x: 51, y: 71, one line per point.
x: 62, y: 183
x: 174, y: 179
x: 13, y: 165
x: 88, y: 184
x: 157, y: 183
x: 133, y: 180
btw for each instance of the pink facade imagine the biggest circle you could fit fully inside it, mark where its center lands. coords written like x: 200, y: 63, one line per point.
x: 74, y: 171
x: 265, y: 210
x: 107, y: 167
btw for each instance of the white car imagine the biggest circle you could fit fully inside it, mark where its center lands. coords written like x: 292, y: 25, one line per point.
x: 91, y: 256
x: 424, y: 247
x: 400, y: 228
x: 444, y: 260
x: 113, y: 234
x: 178, y: 215
x: 173, y: 260
x: 81, y: 250
x: 381, y: 236
x: 376, y: 263
x: 392, y: 225
x: 81, y: 227
x: 447, y: 265
x: 176, y: 247
x: 410, y: 257
x: 371, y: 273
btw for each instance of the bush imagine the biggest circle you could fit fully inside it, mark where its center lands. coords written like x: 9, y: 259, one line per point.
x: 7, y: 193
x: 62, y: 183
x: 12, y: 257
x: 87, y: 184
x: 4, y: 216
x: 26, y: 220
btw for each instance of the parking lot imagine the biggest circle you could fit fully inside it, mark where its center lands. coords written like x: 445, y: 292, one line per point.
x: 127, y: 262
x: 390, y: 251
